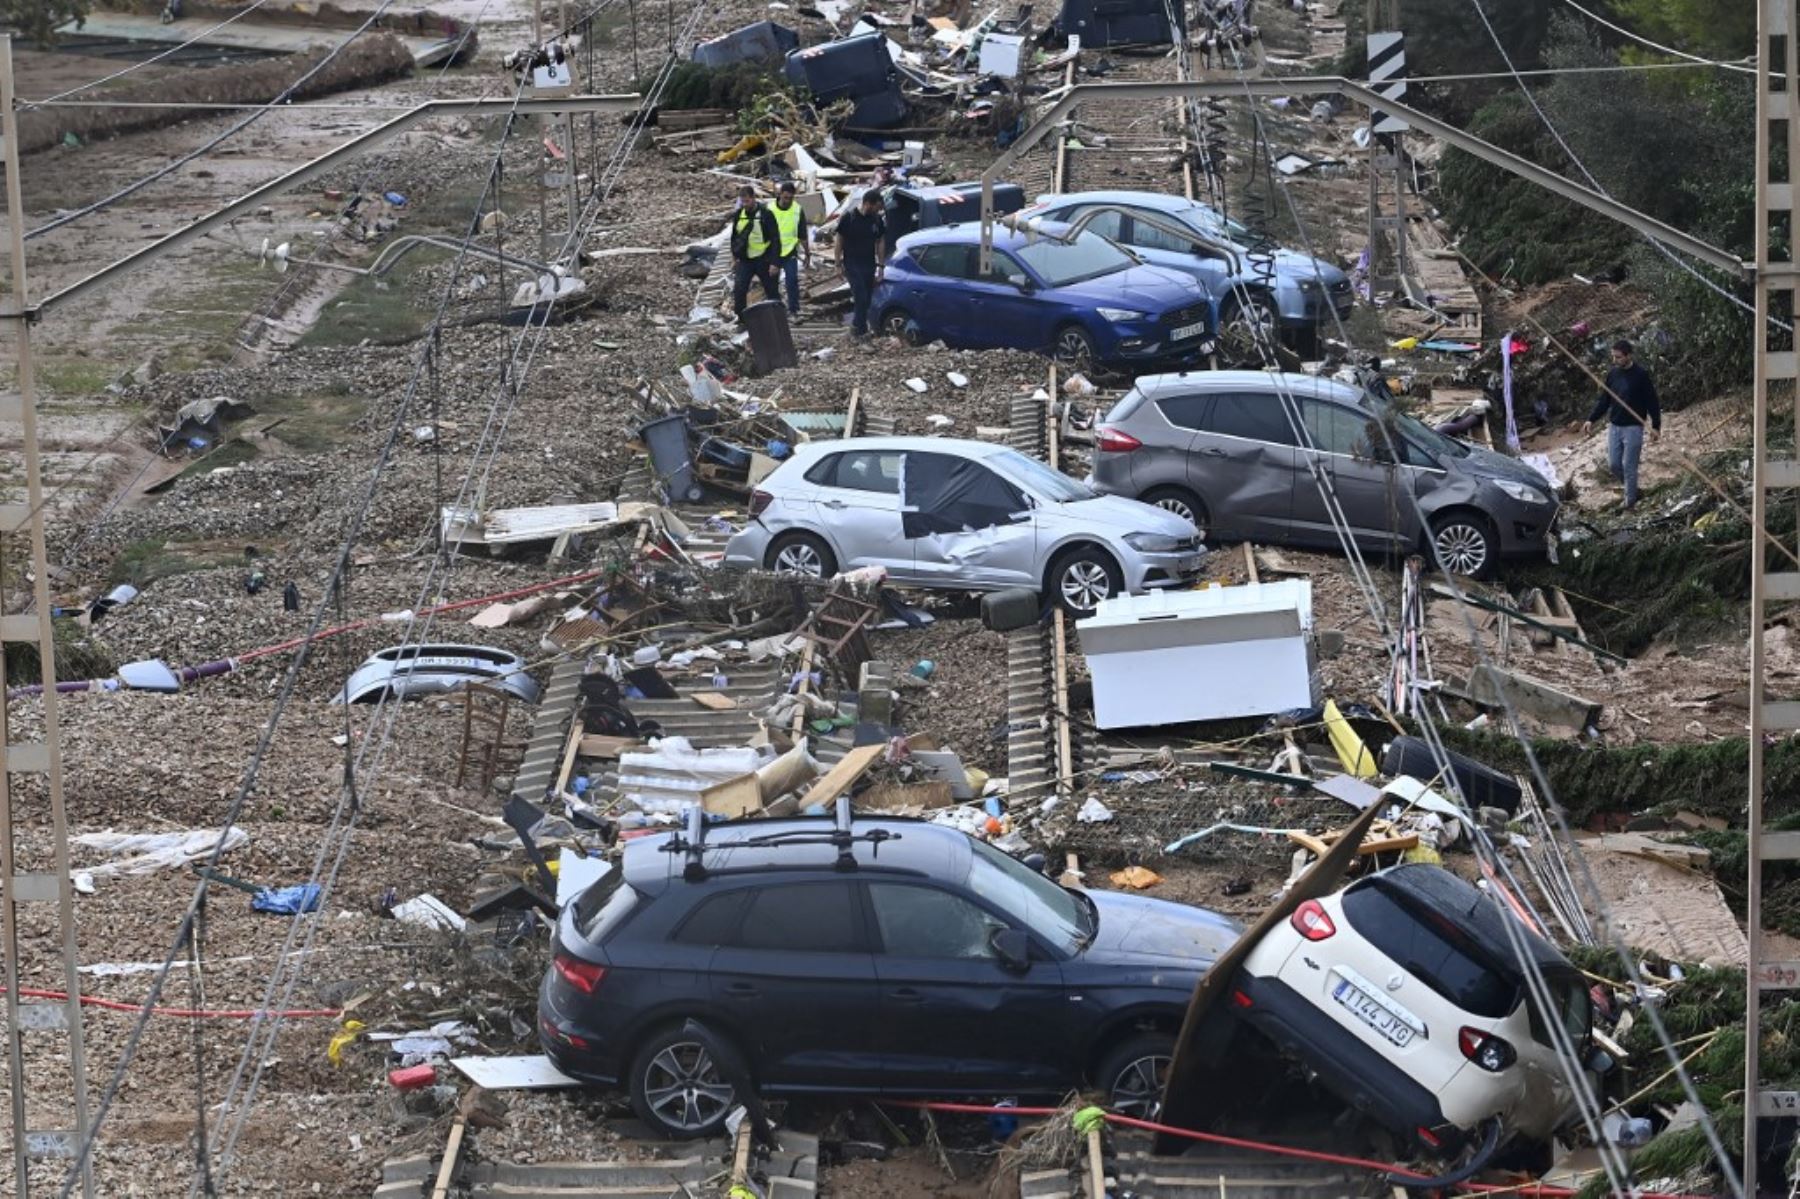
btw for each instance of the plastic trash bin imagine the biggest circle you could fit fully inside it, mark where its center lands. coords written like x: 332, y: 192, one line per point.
x: 771, y: 341
x: 667, y: 438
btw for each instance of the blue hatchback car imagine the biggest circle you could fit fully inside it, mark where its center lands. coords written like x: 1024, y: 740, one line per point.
x: 1080, y: 298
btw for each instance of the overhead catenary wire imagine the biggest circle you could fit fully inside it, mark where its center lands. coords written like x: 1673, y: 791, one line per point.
x: 1641, y: 40
x: 176, y: 164
x: 1667, y: 252
x: 510, y: 387
x: 239, y: 15
x: 1588, y: 1102
x: 283, y: 699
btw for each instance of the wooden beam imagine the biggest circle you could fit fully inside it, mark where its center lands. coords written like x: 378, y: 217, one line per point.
x: 1065, y: 750
x: 569, y: 752
x: 850, y: 413
x: 1250, y: 563
x: 843, y: 776
x: 1096, y: 1179
x: 452, y: 1150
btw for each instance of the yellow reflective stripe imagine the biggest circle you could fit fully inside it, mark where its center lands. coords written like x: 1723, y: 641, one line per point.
x: 788, y: 223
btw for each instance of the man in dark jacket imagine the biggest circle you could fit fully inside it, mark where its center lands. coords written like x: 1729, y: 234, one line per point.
x: 1629, y: 403
x: 755, y: 249
x: 860, y: 233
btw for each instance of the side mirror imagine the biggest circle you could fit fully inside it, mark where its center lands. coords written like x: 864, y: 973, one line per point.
x: 1013, y: 948
x: 1024, y: 284
x: 1599, y: 1061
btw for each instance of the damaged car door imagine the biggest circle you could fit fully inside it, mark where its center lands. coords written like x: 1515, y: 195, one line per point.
x: 954, y: 1016
x: 796, y: 981
x: 1243, y: 462
x: 858, y: 503
x: 966, y: 524
x: 1374, y: 493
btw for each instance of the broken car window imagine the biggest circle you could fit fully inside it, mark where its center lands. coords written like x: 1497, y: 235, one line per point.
x: 1059, y: 263
x: 1253, y: 417
x: 802, y: 918
x: 946, y: 494
x: 918, y: 922
x: 1029, y: 898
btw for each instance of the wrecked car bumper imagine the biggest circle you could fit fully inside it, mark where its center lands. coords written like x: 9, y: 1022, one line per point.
x: 1525, y: 528
x: 1352, y: 1070
x: 747, y: 549
x: 1151, y: 572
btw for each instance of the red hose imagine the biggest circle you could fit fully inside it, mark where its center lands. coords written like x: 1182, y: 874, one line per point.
x: 114, y: 1005
x: 1529, y: 1191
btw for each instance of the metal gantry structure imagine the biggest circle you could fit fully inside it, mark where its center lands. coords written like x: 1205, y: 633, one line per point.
x: 41, y: 1093
x: 1773, y: 469
x: 1387, y: 184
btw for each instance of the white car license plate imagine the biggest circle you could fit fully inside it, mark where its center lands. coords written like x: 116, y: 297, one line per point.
x: 1187, y: 331
x: 1371, y: 1012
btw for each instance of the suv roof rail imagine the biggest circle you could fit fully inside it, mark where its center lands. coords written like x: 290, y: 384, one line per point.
x: 691, y: 839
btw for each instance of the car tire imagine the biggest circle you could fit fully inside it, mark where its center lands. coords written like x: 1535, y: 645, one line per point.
x: 1082, y: 577
x: 1073, y: 347
x: 1182, y: 503
x: 1238, y: 329
x: 804, y: 554
x: 895, y: 322
x: 1132, y: 1073
x: 1465, y: 544
x: 678, y: 1089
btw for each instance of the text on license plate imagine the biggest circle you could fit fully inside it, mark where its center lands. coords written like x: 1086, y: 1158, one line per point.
x: 1372, y: 1013
x: 1187, y: 331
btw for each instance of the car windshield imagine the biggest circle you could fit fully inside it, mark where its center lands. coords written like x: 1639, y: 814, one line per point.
x: 1039, y: 479
x: 1030, y: 898
x: 1059, y: 263
x: 1208, y: 221
x: 1424, y: 436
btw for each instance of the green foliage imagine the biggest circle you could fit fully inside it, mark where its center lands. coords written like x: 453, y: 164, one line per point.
x: 78, y: 656
x: 734, y: 88
x: 36, y: 20
x: 1704, y: 27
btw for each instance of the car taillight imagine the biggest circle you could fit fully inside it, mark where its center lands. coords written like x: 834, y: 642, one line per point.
x: 583, y: 976
x: 1486, y: 1050
x: 1311, y: 922
x: 759, y: 501
x: 1109, y: 440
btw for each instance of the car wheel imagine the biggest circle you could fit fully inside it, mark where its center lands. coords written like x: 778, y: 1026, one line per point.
x: 1082, y: 578
x: 1182, y: 503
x: 800, y: 554
x: 678, y: 1088
x: 894, y: 323
x: 1073, y: 348
x: 1465, y: 544
x: 1248, y: 329
x: 1132, y: 1075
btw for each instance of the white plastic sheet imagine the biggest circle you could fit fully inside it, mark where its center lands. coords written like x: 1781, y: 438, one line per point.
x: 146, y: 853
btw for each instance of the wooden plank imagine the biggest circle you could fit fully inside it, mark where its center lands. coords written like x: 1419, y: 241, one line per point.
x: 1250, y: 562
x: 1319, y: 845
x: 713, y: 701
x: 1065, y: 756
x: 602, y: 745
x: 842, y: 776
x: 850, y: 412
x: 733, y: 798
x: 452, y: 1149
x: 803, y: 687
x: 890, y: 797
x: 569, y: 752
x: 1096, y: 1161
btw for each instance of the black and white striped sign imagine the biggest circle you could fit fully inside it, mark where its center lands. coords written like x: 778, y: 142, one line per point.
x: 1387, y: 77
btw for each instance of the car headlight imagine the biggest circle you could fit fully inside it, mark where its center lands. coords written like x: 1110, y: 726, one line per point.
x: 1309, y: 285
x: 1525, y: 493
x: 1120, y: 314
x: 1156, y: 543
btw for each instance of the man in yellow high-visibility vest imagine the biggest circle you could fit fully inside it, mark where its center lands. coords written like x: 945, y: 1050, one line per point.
x: 755, y: 243
x: 796, y: 243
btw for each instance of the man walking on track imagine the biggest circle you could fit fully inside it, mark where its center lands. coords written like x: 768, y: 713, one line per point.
x: 1629, y: 404
x: 755, y: 241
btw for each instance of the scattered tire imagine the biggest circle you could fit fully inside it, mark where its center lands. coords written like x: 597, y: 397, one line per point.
x: 1132, y: 1074
x: 678, y: 1089
x: 801, y: 554
x: 1082, y: 577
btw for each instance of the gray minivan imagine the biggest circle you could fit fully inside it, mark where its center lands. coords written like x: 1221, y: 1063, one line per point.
x: 1231, y: 451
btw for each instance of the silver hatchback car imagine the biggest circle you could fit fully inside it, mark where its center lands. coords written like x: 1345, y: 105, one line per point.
x: 961, y: 516
x: 1223, y: 449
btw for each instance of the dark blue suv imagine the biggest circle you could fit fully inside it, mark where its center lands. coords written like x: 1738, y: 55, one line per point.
x: 876, y: 957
